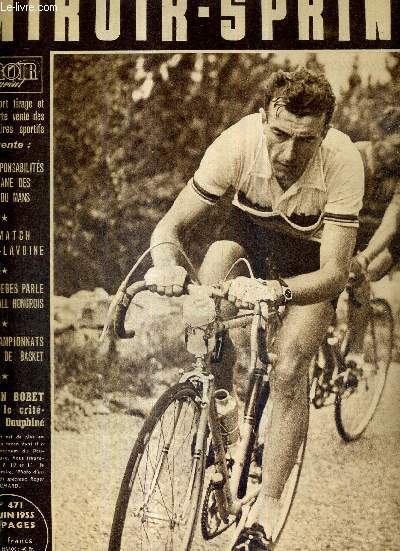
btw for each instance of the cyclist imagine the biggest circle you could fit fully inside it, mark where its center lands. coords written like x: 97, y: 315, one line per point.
x: 377, y: 254
x: 297, y: 188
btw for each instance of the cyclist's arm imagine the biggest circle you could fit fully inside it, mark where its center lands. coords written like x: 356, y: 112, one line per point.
x: 187, y: 209
x: 337, y: 245
x: 224, y: 163
x: 386, y: 231
x: 344, y: 176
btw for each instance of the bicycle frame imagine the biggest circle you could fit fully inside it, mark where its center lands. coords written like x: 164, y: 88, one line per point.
x: 226, y: 485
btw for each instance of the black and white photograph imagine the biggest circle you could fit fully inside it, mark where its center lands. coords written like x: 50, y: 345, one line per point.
x: 226, y: 309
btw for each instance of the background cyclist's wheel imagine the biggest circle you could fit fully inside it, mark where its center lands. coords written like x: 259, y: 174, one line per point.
x: 158, y: 502
x: 363, y: 386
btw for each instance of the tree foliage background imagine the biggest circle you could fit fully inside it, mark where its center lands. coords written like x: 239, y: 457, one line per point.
x: 130, y: 130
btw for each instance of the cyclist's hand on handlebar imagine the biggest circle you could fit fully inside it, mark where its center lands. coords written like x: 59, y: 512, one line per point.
x: 166, y: 280
x: 245, y: 292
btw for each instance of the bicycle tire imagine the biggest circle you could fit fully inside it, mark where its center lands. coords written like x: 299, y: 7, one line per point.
x: 155, y: 507
x: 357, y: 404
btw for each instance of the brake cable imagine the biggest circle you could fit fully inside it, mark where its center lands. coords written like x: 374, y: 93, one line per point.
x: 124, y: 285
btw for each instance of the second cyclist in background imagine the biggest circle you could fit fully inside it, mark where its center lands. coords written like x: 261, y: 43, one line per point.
x: 377, y: 253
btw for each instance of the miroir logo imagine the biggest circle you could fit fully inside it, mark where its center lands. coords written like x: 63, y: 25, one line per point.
x: 20, y: 74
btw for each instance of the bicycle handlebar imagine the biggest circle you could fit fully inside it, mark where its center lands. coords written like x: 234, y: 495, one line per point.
x: 126, y: 298
x: 122, y: 308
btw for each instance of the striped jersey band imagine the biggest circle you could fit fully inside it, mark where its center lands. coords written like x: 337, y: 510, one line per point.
x: 342, y: 219
x: 205, y: 195
x: 349, y: 220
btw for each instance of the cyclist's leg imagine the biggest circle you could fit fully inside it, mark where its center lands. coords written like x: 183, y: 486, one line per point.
x: 236, y: 239
x: 381, y: 265
x: 217, y: 261
x: 301, y: 333
x: 358, y: 311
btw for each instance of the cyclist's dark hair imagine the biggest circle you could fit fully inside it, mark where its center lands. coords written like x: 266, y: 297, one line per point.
x: 389, y: 122
x: 302, y: 92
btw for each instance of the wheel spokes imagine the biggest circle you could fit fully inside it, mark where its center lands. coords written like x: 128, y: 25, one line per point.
x: 162, y: 482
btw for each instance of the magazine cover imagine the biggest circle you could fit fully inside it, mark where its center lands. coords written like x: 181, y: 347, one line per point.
x: 199, y: 285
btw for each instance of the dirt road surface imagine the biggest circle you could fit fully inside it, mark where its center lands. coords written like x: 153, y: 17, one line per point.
x: 348, y: 498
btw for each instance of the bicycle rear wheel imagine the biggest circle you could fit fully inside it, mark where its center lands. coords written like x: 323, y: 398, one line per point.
x: 158, y: 502
x: 356, y: 404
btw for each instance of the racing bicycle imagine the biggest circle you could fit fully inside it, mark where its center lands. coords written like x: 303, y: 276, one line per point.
x: 181, y: 448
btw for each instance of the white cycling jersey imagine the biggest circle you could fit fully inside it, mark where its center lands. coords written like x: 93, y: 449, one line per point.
x: 330, y: 190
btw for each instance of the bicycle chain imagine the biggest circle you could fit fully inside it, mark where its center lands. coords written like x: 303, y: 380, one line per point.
x: 207, y: 535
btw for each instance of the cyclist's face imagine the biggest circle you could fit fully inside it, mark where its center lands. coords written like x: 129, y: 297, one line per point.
x: 291, y: 141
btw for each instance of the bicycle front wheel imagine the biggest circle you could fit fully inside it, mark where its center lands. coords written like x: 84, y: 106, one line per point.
x: 158, y: 502
x: 356, y: 404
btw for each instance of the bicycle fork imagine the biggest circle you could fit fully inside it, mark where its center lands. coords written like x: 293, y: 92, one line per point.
x: 207, y: 391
